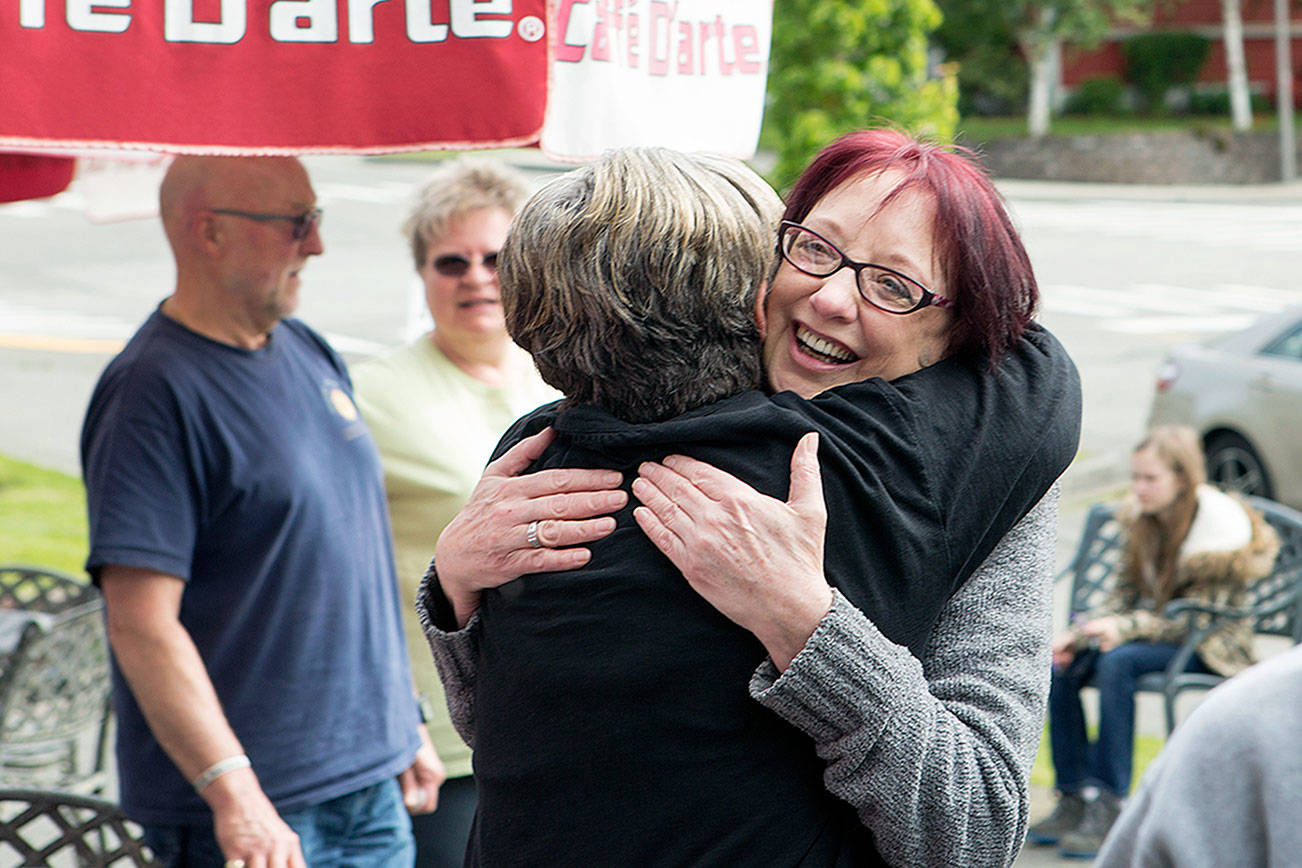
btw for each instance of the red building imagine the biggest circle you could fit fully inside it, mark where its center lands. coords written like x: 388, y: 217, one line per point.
x: 1204, y: 18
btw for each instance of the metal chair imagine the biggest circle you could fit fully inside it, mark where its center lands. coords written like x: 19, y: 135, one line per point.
x: 49, y: 828
x: 1273, y: 603
x: 54, y: 683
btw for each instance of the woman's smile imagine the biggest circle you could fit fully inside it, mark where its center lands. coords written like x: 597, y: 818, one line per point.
x: 820, y: 348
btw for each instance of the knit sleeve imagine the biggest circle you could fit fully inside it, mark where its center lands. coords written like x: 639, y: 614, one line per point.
x: 456, y: 652
x: 935, y: 754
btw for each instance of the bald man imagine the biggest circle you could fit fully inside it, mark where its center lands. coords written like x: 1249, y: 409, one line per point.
x: 239, y: 535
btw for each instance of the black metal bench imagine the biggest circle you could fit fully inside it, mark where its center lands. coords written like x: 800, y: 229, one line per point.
x: 54, y: 682
x: 48, y: 828
x: 1273, y: 603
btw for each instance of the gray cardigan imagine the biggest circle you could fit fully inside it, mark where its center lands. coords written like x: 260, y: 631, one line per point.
x: 934, y: 754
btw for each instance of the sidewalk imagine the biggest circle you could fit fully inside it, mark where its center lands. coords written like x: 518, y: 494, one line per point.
x: 1087, y: 481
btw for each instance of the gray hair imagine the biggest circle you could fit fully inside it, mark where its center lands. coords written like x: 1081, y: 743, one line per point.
x: 456, y: 188
x: 632, y: 281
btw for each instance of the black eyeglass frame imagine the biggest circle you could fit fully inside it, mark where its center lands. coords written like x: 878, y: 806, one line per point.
x: 456, y: 265
x: 302, y: 223
x: 928, y: 297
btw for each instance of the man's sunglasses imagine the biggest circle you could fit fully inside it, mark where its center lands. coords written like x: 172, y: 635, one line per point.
x: 302, y: 223
x: 456, y: 265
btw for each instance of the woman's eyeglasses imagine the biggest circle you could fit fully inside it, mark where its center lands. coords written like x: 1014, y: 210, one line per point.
x: 302, y: 223
x: 884, y: 288
x: 456, y: 265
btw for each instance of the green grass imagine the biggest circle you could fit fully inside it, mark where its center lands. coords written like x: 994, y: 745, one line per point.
x: 1146, y: 749
x: 42, y: 517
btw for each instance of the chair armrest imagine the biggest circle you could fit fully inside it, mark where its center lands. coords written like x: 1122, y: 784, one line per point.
x: 1191, y: 606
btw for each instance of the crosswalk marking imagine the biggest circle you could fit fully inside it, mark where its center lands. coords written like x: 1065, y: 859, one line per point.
x: 34, y: 328
x: 1269, y: 228
x: 1154, y: 309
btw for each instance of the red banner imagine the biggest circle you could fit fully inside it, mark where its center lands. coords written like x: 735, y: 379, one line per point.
x: 266, y: 76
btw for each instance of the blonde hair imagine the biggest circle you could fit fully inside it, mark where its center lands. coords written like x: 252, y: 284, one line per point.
x: 632, y: 280
x: 455, y: 189
x: 1155, y: 540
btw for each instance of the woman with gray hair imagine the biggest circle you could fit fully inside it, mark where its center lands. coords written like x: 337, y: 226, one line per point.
x: 607, y: 705
x: 436, y: 407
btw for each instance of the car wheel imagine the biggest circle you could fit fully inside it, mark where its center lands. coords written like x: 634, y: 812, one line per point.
x: 1233, y: 464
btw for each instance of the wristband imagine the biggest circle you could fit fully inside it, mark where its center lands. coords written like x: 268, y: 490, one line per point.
x: 219, y: 768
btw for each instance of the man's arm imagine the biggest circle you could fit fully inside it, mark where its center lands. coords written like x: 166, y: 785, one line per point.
x: 171, y: 685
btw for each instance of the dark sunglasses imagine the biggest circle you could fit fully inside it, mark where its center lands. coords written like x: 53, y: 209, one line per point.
x: 456, y: 265
x: 302, y: 223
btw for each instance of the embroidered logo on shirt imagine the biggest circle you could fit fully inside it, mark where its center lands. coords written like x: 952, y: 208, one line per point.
x: 342, y: 405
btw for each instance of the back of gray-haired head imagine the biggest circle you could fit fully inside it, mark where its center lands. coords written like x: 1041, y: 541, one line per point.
x: 632, y: 281
x: 456, y: 188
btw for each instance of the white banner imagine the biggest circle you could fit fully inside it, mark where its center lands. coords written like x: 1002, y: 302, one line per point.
x: 685, y: 74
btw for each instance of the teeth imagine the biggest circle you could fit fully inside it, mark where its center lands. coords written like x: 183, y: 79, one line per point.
x: 819, y: 346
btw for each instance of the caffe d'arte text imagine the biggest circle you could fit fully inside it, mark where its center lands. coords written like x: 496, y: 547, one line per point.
x: 624, y: 33
x: 656, y: 36
x: 291, y: 20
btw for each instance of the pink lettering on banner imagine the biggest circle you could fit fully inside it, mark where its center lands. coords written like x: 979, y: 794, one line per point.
x: 674, y: 43
x: 634, y: 30
x: 686, y: 66
x: 719, y: 30
x: 566, y: 51
x: 658, y: 64
x: 746, y: 42
x: 601, y: 33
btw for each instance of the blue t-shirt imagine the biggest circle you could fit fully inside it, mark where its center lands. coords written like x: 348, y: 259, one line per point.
x: 250, y: 475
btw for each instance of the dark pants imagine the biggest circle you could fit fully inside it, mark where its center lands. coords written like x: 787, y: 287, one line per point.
x: 365, y: 829
x: 1107, y: 762
x: 441, y: 837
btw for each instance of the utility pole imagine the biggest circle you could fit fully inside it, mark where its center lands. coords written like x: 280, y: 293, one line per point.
x: 1284, y: 91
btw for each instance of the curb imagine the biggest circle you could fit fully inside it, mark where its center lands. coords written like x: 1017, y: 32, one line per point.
x: 1090, y: 474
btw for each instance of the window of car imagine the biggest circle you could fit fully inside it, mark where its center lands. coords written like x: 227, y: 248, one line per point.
x: 1287, y: 345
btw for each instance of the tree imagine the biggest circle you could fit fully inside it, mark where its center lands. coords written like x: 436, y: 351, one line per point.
x: 982, y: 45
x: 1044, y: 25
x: 1236, y: 66
x: 1040, y: 27
x: 840, y: 65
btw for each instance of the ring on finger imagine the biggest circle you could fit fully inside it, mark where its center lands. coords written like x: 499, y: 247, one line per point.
x: 234, y: 863
x: 531, y: 534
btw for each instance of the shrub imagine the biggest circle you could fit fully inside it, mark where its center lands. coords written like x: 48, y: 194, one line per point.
x: 1156, y: 62
x: 840, y: 65
x: 1217, y: 102
x: 1096, y: 96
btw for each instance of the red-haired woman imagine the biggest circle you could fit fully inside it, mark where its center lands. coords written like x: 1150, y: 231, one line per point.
x: 1184, y: 539
x: 930, y: 741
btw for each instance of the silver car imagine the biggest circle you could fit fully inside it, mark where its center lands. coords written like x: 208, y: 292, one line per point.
x: 1242, y: 393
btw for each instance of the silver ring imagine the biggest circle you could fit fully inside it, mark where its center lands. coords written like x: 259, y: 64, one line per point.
x: 234, y: 863
x: 532, y: 535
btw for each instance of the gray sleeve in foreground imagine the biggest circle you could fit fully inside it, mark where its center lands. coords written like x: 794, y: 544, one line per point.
x: 935, y: 754
x: 1224, y: 790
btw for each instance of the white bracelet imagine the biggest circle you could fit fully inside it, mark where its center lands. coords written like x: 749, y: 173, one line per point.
x: 219, y: 768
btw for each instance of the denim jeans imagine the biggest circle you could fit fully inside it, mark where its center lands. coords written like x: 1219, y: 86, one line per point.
x: 1107, y: 762
x: 365, y: 829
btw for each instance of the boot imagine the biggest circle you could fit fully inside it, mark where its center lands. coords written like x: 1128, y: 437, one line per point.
x: 1085, y: 841
x: 1066, y: 816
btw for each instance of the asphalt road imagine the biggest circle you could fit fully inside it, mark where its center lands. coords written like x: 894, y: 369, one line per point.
x: 1126, y: 272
